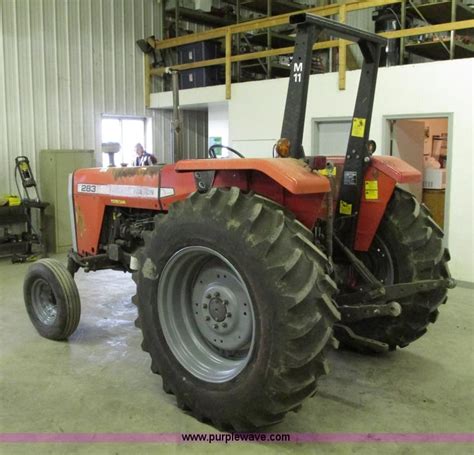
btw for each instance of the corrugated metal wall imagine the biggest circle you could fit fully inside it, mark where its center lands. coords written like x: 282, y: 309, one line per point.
x: 64, y: 63
x: 194, y: 134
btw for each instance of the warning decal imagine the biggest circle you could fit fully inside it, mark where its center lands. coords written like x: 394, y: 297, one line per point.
x: 358, y: 127
x: 345, y: 208
x: 371, y: 189
x: 350, y: 178
x: 327, y: 171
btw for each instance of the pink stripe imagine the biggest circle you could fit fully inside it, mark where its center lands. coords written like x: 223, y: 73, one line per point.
x: 383, y: 437
x: 91, y: 437
x: 176, y: 438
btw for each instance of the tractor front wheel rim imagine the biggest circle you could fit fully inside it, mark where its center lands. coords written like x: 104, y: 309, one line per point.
x: 44, y: 302
x: 206, y: 314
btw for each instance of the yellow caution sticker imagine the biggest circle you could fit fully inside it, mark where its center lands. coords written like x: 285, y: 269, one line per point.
x: 358, y: 127
x: 118, y: 201
x: 371, y: 189
x: 327, y: 171
x: 345, y: 208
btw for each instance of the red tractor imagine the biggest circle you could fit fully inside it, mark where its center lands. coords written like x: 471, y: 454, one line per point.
x: 247, y: 270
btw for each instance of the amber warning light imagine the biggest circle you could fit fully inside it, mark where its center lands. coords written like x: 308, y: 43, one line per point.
x: 282, y: 147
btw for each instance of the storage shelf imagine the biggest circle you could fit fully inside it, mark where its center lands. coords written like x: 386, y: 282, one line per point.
x: 436, y: 51
x: 278, y: 39
x: 201, y: 17
x: 13, y: 215
x: 439, y: 13
x: 277, y: 69
x: 10, y: 248
x: 260, y: 6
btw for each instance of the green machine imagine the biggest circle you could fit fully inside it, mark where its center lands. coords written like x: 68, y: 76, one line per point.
x: 55, y: 167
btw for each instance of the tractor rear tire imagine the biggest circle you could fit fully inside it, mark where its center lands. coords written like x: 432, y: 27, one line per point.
x: 52, y: 299
x: 409, y: 248
x: 235, y: 308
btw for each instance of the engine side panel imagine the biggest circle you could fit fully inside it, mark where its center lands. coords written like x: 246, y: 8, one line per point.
x: 135, y: 187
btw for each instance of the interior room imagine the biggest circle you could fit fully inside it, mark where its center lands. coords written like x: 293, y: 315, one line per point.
x: 238, y: 225
x: 423, y: 143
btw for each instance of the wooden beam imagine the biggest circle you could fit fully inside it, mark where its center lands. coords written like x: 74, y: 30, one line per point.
x: 192, y: 38
x: 281, y: 51
x: 342, y: 57
x: 147, y: 85
x: 241, y: 57
x: 369, y: 4
x: 429, y: 29
x: 189, y: 66
x: 228, y: 64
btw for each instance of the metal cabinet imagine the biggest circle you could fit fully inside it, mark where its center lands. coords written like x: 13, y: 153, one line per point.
x: 55, y: 167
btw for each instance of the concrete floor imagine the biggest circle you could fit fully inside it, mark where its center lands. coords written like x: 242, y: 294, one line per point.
x: 100, y: 381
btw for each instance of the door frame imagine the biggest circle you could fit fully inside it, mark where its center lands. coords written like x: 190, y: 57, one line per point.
x: 386, y: 138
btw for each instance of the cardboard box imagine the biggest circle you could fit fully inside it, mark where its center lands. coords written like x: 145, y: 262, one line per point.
x: 434, y: 179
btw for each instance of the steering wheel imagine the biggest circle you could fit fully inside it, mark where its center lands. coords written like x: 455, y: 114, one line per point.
x: 212, y: 152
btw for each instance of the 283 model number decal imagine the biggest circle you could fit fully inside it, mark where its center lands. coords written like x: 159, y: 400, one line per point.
x: 86, y: 188
x: 135, y: 191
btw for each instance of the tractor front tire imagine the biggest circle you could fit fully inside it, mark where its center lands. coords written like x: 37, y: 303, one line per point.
x: 235, y: 308
x: 408, y: 247
x: 52, y: 299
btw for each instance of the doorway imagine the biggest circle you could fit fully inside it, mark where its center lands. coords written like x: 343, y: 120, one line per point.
x: 424, y: 143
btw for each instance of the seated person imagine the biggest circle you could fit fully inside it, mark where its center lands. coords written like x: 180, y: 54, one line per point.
x: 143, y: 157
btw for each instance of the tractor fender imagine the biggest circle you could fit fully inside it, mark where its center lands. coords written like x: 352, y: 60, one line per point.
x: 397, y: 169
x: 293, y: 175
x: 380, y: 178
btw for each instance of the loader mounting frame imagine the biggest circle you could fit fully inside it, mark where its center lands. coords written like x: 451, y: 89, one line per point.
x: 309, y: 27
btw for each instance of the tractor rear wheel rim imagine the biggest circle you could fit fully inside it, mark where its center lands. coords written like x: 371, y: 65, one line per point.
x: 206, y: 314
x: 44, y: 301
x: 379, y: 261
